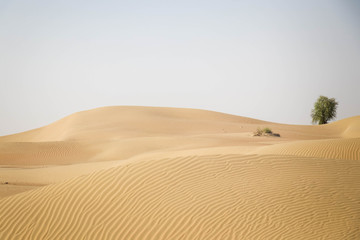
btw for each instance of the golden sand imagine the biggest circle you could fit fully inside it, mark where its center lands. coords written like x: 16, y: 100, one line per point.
x: 166, y: 173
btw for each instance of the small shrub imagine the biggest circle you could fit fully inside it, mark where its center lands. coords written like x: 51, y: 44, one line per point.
x: 267, y: 130
x: 258, y: 132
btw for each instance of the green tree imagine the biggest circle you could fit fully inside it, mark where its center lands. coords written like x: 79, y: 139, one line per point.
x: 324, y: 110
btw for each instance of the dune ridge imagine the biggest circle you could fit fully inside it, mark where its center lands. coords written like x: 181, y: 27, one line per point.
x: 348, y: 127
x: 125, y: 122
x: 106, y: 122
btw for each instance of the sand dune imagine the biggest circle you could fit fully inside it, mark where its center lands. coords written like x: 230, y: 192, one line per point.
x: 113, y: 133
x: 43, y: 153
x: 209, y: 197
x: 349, y: 127
x: 333, y: 148
x: 124, y: 122
x: 113, y: 123
x: 166, y: 173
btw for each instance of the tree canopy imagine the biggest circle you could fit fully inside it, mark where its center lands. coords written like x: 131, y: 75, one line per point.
x: 324, y: 110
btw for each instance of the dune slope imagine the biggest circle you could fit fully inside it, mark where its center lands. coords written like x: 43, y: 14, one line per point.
x: 209, y: 197
x: 334, y: 148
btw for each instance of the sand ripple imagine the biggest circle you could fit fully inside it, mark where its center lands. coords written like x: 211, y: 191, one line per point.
x: 333, y: 148
x: 207, y: 197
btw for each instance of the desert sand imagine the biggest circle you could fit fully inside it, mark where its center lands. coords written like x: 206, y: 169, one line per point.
x: 170, y: 173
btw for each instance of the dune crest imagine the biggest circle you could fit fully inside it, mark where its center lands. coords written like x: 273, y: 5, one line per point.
x: 350, y: 127
x: 119, y: 122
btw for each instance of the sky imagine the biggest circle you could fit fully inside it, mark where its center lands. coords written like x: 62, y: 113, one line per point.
x: 262, y: 59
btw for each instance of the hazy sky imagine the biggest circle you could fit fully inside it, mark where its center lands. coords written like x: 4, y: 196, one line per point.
x: 263, y: 59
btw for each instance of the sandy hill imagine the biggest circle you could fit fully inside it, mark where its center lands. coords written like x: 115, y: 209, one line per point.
x: 110, y: 123
x: 168, y: 173
x: 123, y: 122
x: 113, y: 133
